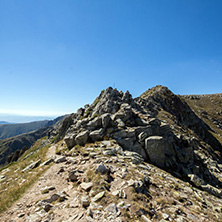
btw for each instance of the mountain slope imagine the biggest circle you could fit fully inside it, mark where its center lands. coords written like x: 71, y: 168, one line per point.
x: 158, y: 125
x: 10, y: 130
x: 208, y: 108
x: 152, y: 158
x: 12, y: 148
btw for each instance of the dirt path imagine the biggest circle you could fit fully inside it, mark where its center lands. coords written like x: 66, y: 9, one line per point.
x: 169, y: 197
x: 25, y: 208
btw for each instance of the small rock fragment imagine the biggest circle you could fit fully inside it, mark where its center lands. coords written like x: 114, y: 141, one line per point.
x: 85, y: 201
x: 98, y: 196
x: 112, y: 208
x: 145, y: 219
x: 72, y: 176
x: 86, y: 186
x: 101, y: 169
x: 60, y: 159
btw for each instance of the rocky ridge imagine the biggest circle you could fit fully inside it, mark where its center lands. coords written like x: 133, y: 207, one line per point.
x: 151, y: 158
x: 181, y: 144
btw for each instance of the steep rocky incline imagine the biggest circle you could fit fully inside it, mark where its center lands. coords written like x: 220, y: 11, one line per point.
x: 158, y: 125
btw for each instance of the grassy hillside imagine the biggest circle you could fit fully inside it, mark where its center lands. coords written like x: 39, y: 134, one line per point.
x: 10, y: 130
x: 13, y: 147
x: 10, y: 145
x: 10, y: 192
x: 208, y: 108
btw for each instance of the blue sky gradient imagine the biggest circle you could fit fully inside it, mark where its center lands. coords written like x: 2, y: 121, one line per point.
x: 56, y: 56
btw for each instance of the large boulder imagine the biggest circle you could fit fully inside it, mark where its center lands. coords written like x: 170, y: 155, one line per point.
x: 139, y: 149
x: 95, y: 123
x: 97, y: 135
x: 155, y: 148
x: 106, y: 120
x: 124, y: 114
x: 82, y: 138
x: 70, y: 140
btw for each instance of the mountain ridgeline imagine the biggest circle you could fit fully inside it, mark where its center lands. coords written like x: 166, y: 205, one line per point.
x: 10, y: 130
x: 167, y: 130
x: 157, y: 157
x: 164, y: 128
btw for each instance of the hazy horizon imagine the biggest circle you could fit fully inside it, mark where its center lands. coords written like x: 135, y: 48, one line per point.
x: 24, y: 119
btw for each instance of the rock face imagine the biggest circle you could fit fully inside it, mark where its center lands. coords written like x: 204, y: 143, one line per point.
x: 155, y: 148
x: 82, y: 137
x: 158, y: 125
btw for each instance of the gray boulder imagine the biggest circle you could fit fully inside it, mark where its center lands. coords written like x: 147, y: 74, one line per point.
x: 196, y: 180
x: 82, y: 137
x: 144, y: 129
x: 95, y: 123
x: 106, y: 120
x: 111, y: 151
x: 127, y: 110
x: 97, y: 135
x: 120, y: 123
x: 140, y: 150
x: 70, y: 140
x: 124, y: 113
x: 120, y: 134
x: 60, y: 159
x: 72, y: 176
x: 82, y: 123
x: 165, y: 129
x: 142, y: 136
x: 101, y: 169
x: 126, y: 143
x: 32, y: 166
x: 212, y: 190
x: 155, y: 148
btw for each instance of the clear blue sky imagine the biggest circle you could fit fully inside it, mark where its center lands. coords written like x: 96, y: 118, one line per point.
x: 57, y: 55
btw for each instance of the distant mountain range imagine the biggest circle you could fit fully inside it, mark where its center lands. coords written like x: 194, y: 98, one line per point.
x: 4, y: 122
x: 9, y: 130
x: 10, y: 147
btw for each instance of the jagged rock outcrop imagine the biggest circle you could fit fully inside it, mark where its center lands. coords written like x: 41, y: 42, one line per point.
x: 176, y: 143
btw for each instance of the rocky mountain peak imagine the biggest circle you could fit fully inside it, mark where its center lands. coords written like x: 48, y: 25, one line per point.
x: 157, y: 91
x: 139, y: 125
x: 109, y: 101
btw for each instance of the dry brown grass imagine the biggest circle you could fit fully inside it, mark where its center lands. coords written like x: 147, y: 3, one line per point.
x: 212, y: 104
x: 16, y: 183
